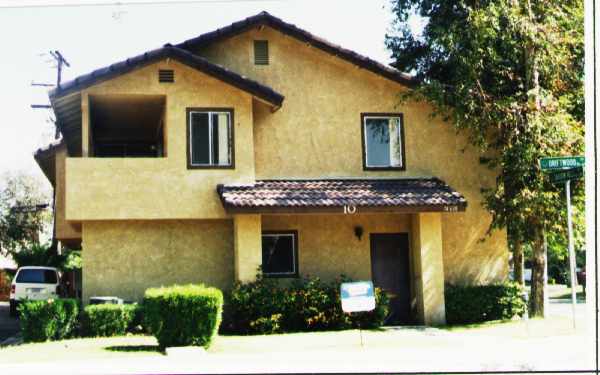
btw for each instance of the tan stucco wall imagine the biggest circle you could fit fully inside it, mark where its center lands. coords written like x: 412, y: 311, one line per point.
x: 427, y: 266
x: 317, y: 133
x: 64, y: 230
x: 247, y: 245
x: 161, y: 188
x: 327, y: 246
x: 124, y: 258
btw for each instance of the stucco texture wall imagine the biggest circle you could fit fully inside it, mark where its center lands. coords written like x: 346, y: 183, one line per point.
x: 124, y: 258
x: 161, y: 188
x: 65, y: 230
x: 327, y: 246
x: 317, y: 133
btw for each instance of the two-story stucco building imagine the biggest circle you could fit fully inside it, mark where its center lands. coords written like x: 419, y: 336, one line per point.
x: 261, y: 145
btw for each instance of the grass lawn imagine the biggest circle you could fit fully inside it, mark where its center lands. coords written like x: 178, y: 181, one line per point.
x: 92, y: 348
x: 136, y: 346
x: 521, y: 329
x: 560, y: 291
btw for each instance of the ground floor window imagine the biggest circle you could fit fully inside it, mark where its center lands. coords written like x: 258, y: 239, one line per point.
x: 280, y: 254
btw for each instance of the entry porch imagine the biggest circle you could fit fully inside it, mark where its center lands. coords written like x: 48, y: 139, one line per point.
x: 388, y: 231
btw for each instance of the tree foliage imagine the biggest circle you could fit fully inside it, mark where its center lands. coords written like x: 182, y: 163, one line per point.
x: 24, y: 217
x: 509, y: 73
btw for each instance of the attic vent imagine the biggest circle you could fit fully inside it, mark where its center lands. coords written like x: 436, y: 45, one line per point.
x: 261, y: 52
x: 166, y: 75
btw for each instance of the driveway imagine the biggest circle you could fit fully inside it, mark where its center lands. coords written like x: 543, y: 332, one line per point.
x: 8, y: 326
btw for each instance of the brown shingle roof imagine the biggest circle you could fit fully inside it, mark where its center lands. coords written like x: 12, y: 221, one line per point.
x: 402, y: 195
x: 168, y: 51
x: 265, y: 18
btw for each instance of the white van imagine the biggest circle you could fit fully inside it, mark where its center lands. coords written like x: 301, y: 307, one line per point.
x: 33, y: 283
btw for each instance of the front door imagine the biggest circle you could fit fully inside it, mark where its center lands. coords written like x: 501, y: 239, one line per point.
x: 390, y: 272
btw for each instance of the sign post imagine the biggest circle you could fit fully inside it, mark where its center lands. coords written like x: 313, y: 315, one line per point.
x: 564, y: 169
x: 358, y: 296
x: 571, y: 250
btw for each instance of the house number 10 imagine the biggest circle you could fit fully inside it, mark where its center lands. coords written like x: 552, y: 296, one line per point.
x: 349, y: 209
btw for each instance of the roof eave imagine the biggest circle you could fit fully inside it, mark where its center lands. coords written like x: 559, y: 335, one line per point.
x: 256, y: 89
x: 232, y: 209
x: 276, y: 23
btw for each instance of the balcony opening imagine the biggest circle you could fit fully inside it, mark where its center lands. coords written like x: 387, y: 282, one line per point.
x: 126, y: 126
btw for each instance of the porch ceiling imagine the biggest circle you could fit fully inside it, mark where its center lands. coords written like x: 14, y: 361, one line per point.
x: 342, y: 195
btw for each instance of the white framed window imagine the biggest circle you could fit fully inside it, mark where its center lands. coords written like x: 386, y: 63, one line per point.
x: 383, y: 141
x: 280, y: 254
x: 210, y: 138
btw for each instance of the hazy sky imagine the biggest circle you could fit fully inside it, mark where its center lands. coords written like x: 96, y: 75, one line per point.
x: 94, y: 36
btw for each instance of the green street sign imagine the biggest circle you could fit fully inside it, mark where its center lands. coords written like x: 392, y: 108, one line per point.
x: 563, y: 162
x: 567, y: 174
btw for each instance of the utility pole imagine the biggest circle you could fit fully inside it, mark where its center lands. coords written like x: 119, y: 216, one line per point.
x: 60, y: 61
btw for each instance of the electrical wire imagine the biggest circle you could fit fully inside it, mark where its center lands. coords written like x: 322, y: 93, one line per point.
x: 119, y: 3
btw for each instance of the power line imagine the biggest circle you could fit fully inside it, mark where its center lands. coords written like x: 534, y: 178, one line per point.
x: 132, y: 2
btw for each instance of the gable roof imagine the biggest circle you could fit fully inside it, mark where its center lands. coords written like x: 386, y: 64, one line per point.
x: 45, y: 157
x: 265, y: 18
x: 254, y: 88
x: 331, y: 195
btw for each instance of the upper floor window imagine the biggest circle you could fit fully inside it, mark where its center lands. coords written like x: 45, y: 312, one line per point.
x: 261, y: 52
x: 210, y: 138
x: 383, y: 141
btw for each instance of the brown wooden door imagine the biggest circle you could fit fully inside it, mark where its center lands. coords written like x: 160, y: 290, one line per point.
x: 390, y: 272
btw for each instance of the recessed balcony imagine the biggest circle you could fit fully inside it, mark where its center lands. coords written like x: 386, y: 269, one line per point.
x: 127, y: 126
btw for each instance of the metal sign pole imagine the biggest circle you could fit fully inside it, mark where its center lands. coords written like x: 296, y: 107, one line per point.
x: 571, y: 251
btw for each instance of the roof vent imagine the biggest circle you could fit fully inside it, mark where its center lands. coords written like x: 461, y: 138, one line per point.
x: 166, y: 75
x: 261, y: 52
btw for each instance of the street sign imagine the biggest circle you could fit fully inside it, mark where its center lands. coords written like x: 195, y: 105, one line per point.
x: 563, y: 162
x: 566, y: 174
x: 357, y: 296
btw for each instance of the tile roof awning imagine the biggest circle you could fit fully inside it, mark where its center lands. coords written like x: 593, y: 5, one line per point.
x: 342, y: 195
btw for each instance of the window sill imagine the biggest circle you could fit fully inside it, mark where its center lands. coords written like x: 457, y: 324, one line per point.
x: 384, y: 168
x: 210, y: 166
x: 271, y: 276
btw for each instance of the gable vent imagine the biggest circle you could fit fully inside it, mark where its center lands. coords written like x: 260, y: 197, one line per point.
x: 166, y: 75
x: 261, y: 52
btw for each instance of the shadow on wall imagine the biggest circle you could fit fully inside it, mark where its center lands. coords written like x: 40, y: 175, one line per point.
x: 474, y: 261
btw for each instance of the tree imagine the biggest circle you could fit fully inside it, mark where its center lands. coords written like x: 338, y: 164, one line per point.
x: 24, y: 213
x: 509, y: 73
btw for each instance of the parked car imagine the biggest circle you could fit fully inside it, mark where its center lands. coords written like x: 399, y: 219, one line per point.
x: 33, y: 283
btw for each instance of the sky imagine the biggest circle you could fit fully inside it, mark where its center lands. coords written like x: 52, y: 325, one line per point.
x: 93, y: 36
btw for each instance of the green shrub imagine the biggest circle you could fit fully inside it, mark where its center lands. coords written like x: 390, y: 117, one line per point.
x: 48, y: 320
x: 183, y: 315
x: 307, y: 304
x: 256, y: 307
x: 107, y: 319
x: 475, y: 304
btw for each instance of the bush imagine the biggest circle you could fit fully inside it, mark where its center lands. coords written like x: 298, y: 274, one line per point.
x: 307, y: 304
x: 183, y: 315
x: 48, y: 320
x: 475, y: 304
x: 107, y: 319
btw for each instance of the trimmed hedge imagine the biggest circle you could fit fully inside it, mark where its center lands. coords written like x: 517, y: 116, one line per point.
x: 108, y: 319
x: 48, y: 320
x: 307, y: 304
x: 183, y: 315
x: 475, y: 304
